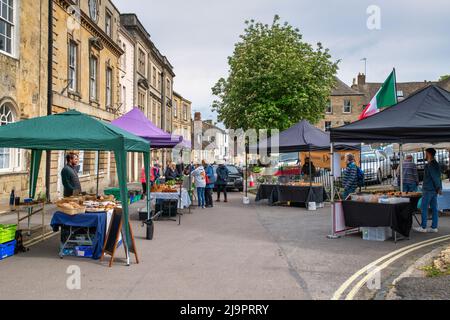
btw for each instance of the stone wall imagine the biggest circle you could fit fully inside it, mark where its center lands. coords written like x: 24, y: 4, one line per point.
x: 23, y: 84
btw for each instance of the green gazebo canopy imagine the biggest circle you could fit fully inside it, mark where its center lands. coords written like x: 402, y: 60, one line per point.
x: 74, y: 130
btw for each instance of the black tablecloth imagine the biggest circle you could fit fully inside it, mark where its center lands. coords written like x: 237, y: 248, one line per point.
x: 294, y: 194
x: 397, y: 216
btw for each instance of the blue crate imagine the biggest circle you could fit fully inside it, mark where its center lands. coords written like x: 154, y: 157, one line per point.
x: 84, y: 251
x: 7, y: 249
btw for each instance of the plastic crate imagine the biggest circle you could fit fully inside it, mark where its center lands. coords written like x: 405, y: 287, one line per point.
x: 84, y: 251
x: 7, y: 232
x: 377, y: 234
x: 7, y: 249
x: 113, y: 192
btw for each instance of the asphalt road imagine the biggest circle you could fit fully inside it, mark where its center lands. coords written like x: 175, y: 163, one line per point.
x: 232, y: 251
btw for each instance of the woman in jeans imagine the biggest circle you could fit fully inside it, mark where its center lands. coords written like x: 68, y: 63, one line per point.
x: 199, y: 175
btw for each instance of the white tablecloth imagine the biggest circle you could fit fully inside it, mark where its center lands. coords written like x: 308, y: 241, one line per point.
x: 185, y: 199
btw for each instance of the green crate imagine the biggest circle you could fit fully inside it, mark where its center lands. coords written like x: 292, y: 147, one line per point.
x: 7, y: 232
x: 113, y: 192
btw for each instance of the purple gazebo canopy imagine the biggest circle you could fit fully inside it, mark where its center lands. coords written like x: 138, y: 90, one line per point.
x: 137, y: 123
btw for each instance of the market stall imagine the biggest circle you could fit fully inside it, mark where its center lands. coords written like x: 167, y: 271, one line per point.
x: 422, y: 118
x: 73, y: 130
x: 305, y: 138
x: 138, y: 124
x: 292, y: 193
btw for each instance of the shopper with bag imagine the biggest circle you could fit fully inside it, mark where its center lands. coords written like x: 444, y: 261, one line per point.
x: 199, y: 175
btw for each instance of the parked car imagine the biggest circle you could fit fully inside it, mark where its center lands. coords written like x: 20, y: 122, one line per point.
x: 235, y: 178
x: 376, y: 166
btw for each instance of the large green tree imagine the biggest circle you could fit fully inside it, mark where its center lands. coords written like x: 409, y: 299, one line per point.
x: 275, y: 79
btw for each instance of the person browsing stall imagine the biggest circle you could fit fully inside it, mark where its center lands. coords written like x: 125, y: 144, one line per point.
x: 199, y: 175
x: 350, y: 177
x: 410, y: 175
x: 69, y: 176
x: 432, y: 187
x: 210, y: 182
x: 222, y: 180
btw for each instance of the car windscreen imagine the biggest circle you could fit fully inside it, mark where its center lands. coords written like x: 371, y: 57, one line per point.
x: 233, y: 170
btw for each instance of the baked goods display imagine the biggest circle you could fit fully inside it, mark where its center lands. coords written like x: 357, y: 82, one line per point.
x: 390, y: 198
x: 70, y: 207
x: 86, y: 204
x: 304, y: 184
x: 162, y: 188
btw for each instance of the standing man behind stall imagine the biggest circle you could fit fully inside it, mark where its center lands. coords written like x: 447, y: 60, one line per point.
x: 69, y: 176
x: 432, y: 186
x: 410, y: 175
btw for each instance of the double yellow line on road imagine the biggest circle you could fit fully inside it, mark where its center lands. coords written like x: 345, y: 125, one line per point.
x: 377, y: 266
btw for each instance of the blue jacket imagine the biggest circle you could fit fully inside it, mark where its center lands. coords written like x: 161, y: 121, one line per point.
x: 350, y: 179
x: 212, y: 179
x: 432, y: 179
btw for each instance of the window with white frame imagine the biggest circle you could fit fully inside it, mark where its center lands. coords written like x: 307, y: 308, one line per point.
x: 108, y: 87
x: 7, y: 31
x: 175, y: 109
x: 124, y: 98
x: 108, y: 23
x: 347, y: 106
x: 73, y: 66
x: 93, y: 63
x: 185, y: 112
x: 10, y: 159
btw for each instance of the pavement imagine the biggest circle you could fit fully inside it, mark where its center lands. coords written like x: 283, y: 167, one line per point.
x: 232, y: 251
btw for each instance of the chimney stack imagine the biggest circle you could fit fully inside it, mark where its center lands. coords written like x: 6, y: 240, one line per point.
x: 361, y: 79
x: 197, y: 116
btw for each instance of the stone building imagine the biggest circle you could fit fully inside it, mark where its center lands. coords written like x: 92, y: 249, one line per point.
x: 181, y: 116
x: 344, y: 106
x: 370, y: 89
x: 210, y: 143
x: 86, y: 73
x: 126, y: 71
x: 23, y: 82
x: 153, y: 82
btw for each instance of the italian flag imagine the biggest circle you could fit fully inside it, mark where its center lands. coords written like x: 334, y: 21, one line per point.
x: 385, y: 97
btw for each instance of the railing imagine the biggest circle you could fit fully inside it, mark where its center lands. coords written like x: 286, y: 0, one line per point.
x: 376, y: 172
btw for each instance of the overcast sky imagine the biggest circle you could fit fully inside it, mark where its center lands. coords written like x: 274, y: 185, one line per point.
x: 197, y: 36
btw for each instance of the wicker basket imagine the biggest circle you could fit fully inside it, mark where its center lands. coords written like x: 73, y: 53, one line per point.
x: 72, y: 212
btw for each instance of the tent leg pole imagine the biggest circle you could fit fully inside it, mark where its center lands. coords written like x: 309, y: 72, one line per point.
x: 98, y: 170
x: 401, y: 168
x: 332, y: 234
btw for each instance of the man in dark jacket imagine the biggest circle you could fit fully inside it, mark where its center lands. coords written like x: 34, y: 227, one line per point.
x: 221, y: 181
x: 69, y: 176
x: 308, y: 170
x: 432, y: 186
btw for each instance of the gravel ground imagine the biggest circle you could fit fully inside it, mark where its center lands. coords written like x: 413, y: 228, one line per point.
x: 424, y: 288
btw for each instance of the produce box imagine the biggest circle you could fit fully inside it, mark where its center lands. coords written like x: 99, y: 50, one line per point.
x: 7, y: 249
x: 7, y: 232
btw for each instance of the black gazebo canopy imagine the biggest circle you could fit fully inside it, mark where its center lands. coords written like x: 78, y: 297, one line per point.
x: 302, y: 137
x: 423, y: 117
